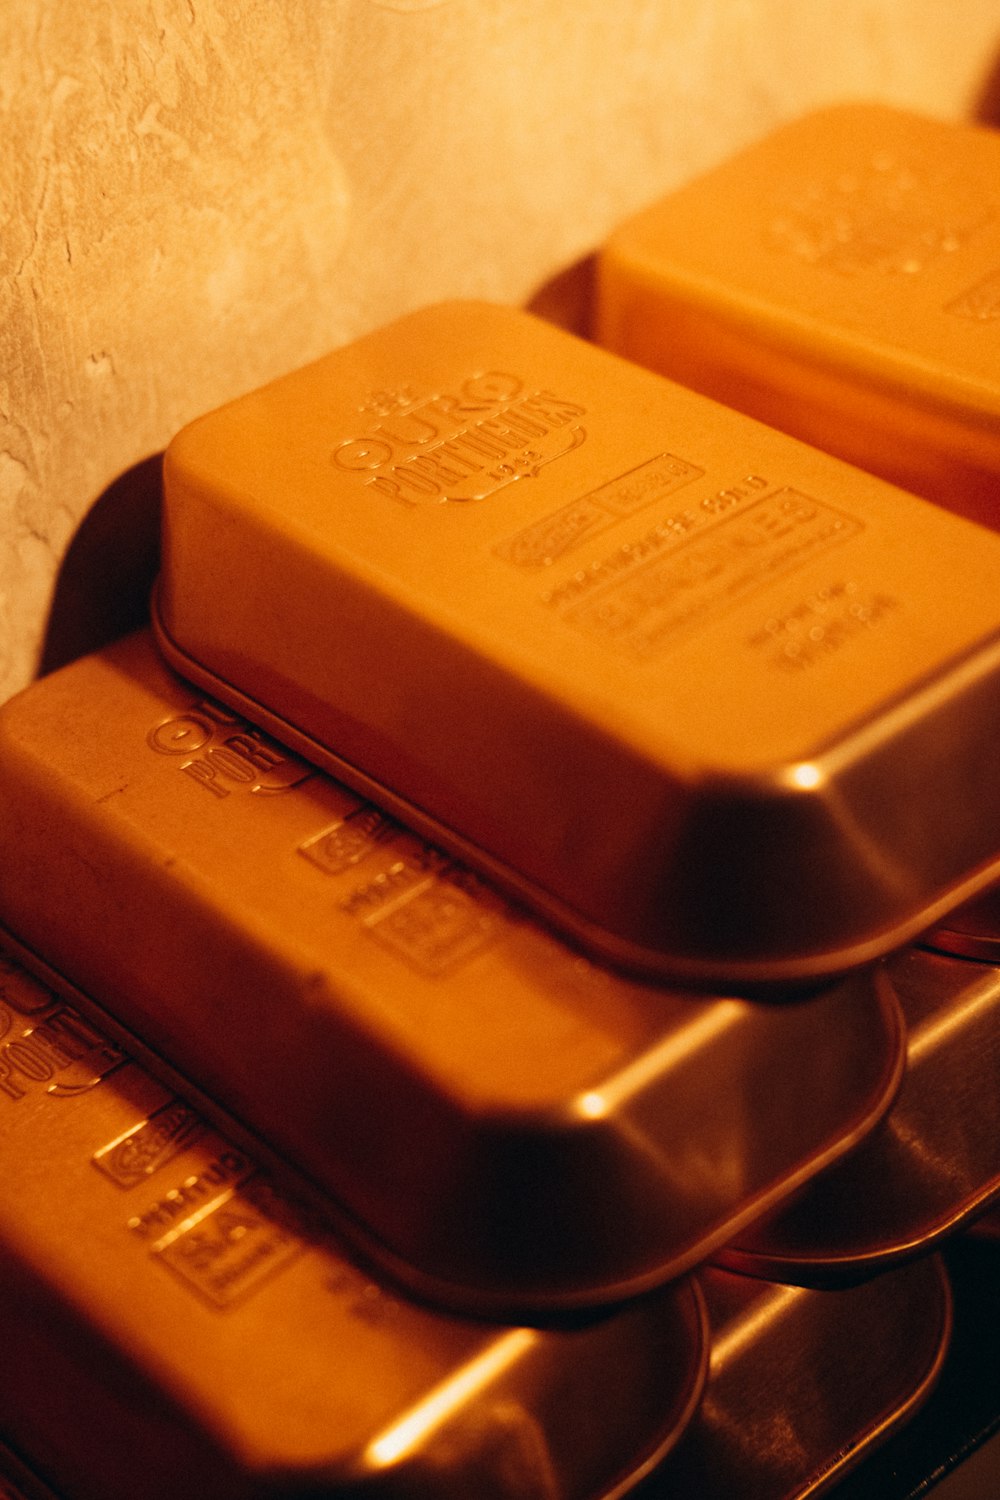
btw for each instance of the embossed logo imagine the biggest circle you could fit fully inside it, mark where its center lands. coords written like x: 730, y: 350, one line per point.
x: 463, y: 445
x: 646, y: 608
x: 823, y: 622
x: 149, y: 1145
x: 437, y: 927
x: 224, y: 754
x: 226, y: 1166
x: 669, y: 533
x: 540, y: 544
x: 348, y: 841
x: 60, y: 1053
x: 431, y: 912
x: 888, y: 214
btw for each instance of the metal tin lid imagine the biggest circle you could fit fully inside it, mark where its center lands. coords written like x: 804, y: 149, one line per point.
x: 933, y: 1163
x: 804, y: 1384
x: 692, y: 691
x: 841, y: 279
x: 515, y: 1127
x: 178, y: 1321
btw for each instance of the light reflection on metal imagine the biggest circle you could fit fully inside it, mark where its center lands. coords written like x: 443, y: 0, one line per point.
x: 806, y: 777
x: 452, y: 1396
x: 773, y: 1301
x: 687, y: 1040
x: 952, y: 1023
x: 804, y: 1384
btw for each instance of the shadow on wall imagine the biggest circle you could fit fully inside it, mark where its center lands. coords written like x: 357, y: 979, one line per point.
x: 102, y: 589
x: 986, y: 109
x: 567, y: 299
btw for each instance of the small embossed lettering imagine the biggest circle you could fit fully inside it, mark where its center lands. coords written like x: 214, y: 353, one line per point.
x: 221, y: 761
x: 463, y: 445
x: 62, y: 1050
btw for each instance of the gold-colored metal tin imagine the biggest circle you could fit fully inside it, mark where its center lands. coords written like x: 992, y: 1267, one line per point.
x: 840, y: 279
x: 176, y: 1322
x: 804, y: 1384
x: 516, y: 1127
x: 694, y: 692
x: 933, y: 1163
x: 971, y: 930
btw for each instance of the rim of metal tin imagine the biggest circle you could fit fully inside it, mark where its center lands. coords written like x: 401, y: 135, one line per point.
x: 750, y: 977
x: 802, y: 1259
x: 744, y: 1410
x: 972, y: 930
x: 415, y: 1281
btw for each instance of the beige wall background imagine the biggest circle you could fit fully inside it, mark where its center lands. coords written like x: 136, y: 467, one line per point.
x: 197, y: 195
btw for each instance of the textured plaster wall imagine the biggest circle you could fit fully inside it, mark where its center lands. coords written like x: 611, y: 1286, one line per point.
x: 196, y: 195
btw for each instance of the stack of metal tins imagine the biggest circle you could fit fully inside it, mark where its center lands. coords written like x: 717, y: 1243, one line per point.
x: 555, y: 1103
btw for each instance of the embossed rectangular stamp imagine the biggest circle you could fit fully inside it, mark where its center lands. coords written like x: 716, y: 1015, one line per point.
x: 349, y: 840
x: 562, y: 530
x: 226, y: 1249
x: 149, y: 1145
x: 643, y: 611
x: 436, y: 927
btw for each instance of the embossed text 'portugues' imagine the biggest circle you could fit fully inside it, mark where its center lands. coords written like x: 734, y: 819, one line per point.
x: 462, y: 446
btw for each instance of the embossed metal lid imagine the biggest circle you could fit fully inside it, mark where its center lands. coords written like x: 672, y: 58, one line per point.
x: 177, y: 1321
x: 516, y: 1127
x: 696, y: 693
x: 804, y: 1384
x: 841, y: 279
x: 932, y: 1164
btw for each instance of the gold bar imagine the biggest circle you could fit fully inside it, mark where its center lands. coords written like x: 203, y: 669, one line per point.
x: 179, y: 1321
x: 690, y: 690
x: 804, y: 1385
x: 930, y: 1167
x: 841, y: 280
x: 516, y: 1127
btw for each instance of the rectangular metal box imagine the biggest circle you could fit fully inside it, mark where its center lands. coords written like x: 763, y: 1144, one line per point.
x: 841, y: 280
x: 718, y: 705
